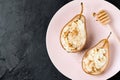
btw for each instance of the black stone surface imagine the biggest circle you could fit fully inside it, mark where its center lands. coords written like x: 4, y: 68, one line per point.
x: 23, y: 26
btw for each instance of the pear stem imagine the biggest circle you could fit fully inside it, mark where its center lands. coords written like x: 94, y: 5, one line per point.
x: 107, y: 38
x: 109, y: 35
x: 81, y: 9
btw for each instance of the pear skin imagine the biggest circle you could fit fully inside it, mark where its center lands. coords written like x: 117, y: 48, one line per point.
x: 73, y: 35
x: 96, y: 59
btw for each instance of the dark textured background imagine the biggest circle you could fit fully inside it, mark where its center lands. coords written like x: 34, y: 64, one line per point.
x: 23, y: 26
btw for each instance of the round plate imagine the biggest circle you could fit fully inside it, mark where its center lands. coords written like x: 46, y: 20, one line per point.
x: 69, y: 64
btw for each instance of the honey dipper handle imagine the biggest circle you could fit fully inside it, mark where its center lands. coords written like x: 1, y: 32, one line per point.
x: 114, y: 34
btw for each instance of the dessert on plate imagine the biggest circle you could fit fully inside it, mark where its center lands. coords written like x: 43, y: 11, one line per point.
x: 73, y: 35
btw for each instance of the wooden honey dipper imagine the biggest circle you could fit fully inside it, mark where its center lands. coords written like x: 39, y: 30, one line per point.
x: 103, y: 17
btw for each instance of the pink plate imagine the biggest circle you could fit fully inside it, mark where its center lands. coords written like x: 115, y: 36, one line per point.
x: 70, y: 64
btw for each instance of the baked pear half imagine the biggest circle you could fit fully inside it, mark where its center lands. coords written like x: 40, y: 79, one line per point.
x: 96, y: 59
x: 73, y: 35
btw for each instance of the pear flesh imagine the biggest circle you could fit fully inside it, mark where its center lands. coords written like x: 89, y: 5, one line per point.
x: 96, y: 59
x: 73, y: 35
